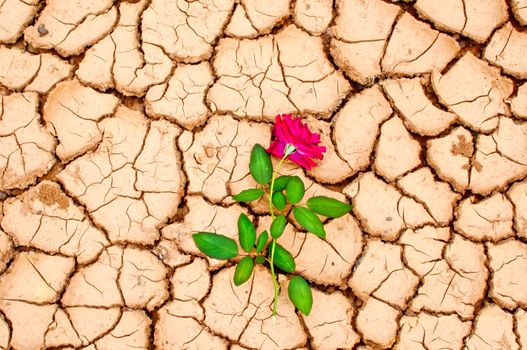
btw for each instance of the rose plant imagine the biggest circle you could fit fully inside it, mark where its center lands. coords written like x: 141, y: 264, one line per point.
x: 292, y: 140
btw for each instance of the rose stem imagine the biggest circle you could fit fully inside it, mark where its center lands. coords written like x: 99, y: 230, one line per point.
x: 273, y: 242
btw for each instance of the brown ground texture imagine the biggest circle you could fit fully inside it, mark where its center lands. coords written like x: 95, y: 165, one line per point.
x: 126, y: 125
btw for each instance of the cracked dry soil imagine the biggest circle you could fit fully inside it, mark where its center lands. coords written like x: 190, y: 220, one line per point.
x: 126, y: 125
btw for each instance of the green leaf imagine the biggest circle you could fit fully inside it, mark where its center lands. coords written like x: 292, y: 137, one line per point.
x: 243, y: 271
x: 278, y: 226
x: 246, y: 232
x: 280, y: 183
x: 309, y: 221
x: 262, y: 241
x: 259, y: 259
x: 295, y: 190
x: 328, y: 207
x: 300, y: 294
x: 216, y: 246
x: 279, y: 200
x: 260, y: 165
x: 282, y: 258
x: 249, y: 195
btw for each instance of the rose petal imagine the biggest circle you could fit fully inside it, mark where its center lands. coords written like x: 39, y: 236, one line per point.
x: 292, y: 130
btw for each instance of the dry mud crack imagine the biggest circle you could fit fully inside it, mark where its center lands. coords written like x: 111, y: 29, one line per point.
x: 126, y: 126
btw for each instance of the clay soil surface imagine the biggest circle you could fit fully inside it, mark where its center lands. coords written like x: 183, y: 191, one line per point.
x: 126, y: 126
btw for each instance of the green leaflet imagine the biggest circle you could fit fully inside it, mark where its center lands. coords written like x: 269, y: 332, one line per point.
x: 262, y: 241
x: 249, y: 195
x: 329, y: 207
x: 280, y: 183
x: 283, y: 259
x: 246, y: 232
x: 260, y: 165
x: 279, y: 201
x: 243, y: 271
x: 278, y: 226
x: 295, y: 190
x: 300, y: 294
x: 309, y: 221
x: 216, y: 246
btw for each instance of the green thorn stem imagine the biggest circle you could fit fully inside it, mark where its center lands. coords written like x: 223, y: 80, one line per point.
x: 273, y: 242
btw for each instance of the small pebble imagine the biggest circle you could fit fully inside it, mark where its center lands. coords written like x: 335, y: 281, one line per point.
x: 42, y: 30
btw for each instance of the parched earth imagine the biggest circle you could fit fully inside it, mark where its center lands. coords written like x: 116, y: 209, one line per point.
x: 126, y: 125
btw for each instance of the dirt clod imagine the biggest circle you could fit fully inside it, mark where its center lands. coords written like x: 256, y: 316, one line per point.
x: 50, y: 195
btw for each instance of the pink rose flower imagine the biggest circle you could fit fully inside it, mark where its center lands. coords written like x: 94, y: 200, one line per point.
x: 292, y: 131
